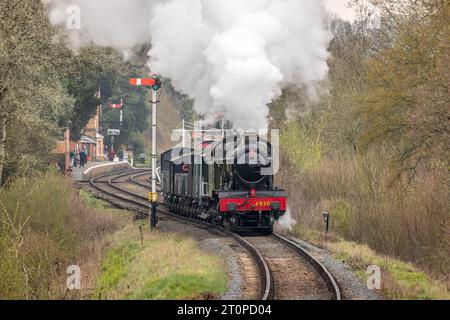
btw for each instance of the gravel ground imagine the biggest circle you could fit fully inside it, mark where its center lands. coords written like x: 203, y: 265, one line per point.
x: 352, y: 287
x: 220, y: 247
x: 294, y: 277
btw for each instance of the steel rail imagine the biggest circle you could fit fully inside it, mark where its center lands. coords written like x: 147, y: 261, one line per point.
x: 326, y: 276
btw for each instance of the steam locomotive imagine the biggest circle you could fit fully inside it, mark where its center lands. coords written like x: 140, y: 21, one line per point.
x: 227, y: 182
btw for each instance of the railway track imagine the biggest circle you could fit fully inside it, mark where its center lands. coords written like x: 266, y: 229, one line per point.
x: 286, y: 270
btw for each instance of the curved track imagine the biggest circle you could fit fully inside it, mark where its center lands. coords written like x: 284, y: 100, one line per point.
x: 286, y: 270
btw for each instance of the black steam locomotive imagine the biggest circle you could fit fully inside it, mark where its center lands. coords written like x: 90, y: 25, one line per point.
x: 228, y: 182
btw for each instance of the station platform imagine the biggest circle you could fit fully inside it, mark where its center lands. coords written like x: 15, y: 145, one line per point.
x: 92, y: 169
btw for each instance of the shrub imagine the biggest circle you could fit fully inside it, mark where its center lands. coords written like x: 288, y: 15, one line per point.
x: 44, y: 227
x: 405, y: 218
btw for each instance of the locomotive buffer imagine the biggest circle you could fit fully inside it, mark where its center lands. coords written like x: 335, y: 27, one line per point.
x: 154, y: 84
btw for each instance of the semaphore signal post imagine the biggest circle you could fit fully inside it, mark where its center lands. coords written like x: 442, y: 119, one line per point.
x: 154, y: 84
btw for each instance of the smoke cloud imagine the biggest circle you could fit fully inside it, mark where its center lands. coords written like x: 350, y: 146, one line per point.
x: 286, y: 222
x: 121, y: 24
x: 232, y: 57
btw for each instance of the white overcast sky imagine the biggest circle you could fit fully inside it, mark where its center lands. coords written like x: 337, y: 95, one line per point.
x: 338, y: 7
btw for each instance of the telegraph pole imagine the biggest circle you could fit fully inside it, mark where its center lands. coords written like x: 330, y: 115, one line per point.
x: 155, y: 85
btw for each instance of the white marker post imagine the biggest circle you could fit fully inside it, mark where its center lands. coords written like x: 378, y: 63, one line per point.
x: 155, y: 84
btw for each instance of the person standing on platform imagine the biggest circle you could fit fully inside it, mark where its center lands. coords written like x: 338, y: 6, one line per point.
x: 112, y: 154
x: 83, y: 157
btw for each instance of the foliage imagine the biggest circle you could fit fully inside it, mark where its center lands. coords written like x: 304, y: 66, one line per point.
x: 44, y: 87
x: 135, y: 110
x: 381, y: 121
x: 405, y: 101
x: 44, y: 228
x: 32, y: 94
x: 87, y: 71
x: 300, y: 147
x: 399, y: 280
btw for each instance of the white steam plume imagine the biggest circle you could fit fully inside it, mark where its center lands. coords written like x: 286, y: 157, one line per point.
x: 232, y: 57
x: 117, y: 23
x: 286, y: 222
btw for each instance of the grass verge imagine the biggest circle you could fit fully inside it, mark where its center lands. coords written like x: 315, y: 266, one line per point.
x: 47, y: 225
x: 399, y: 280
x: 92, y: 201
x: 157, y: 266
x: 44, y: 228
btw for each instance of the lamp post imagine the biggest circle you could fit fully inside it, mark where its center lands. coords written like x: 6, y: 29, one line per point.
x: 154, y: 84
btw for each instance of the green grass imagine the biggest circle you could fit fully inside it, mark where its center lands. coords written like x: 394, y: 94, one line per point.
x: 161, y: 267
x: 45, y: 227
x: 34, y: 235
x: 92, y: 201
x: 178, y: 286
x: 400, y: 280
x: 116, y: 266
x: 101, y: 206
